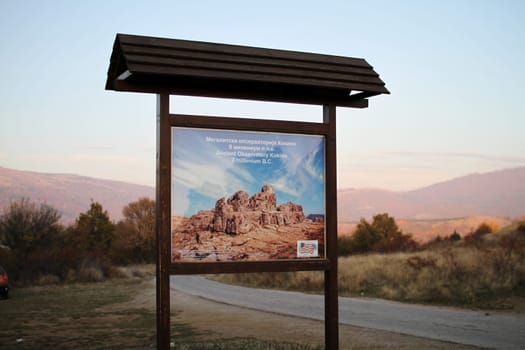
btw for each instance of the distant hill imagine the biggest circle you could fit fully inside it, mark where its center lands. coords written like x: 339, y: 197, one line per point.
x: 499, y: 193
x: 70, y: 194
x: 495, y: 194
x: 426, y: 230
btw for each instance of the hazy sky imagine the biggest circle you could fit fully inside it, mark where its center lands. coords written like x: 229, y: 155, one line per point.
x: 455, y: 70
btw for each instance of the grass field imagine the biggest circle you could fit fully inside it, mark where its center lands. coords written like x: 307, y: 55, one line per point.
x: 120, y: 314
x: 106, y: 315
x: 487, y: 274
x: 75, y: 316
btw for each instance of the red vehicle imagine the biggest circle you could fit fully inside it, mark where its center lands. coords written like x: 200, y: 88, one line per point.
x: 4, y: 284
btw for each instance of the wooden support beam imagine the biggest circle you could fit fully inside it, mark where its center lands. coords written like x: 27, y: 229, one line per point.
x: 163, y: 223
x: 330, y: 279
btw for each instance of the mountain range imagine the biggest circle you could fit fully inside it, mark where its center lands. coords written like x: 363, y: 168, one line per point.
x: 70, y: 194
x: 499, y: 193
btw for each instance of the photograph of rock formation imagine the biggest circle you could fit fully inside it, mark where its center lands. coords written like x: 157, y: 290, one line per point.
x: 245, y: 228
x: 239, y: 195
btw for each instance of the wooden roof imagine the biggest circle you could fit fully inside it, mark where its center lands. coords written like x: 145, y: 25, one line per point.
x: 159, y: 65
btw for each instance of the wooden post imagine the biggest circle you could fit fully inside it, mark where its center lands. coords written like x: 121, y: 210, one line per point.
x: 163, y: 223
x: 330, y: 275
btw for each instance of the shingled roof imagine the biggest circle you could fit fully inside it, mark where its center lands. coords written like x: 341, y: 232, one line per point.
x: 159, y: 65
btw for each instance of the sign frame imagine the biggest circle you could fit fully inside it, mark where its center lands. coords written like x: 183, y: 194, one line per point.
x: 252, y: 125
x: 214, y: 218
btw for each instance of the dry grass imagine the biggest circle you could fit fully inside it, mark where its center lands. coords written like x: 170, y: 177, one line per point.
x: 137, y: 271
x: 475, y: 274
x: 459, y: 275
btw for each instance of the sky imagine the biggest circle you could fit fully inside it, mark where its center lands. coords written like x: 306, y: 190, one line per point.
x: 454, y: 69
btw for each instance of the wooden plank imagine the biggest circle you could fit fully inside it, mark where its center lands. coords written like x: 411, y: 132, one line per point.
x: 235, y: 68
x: 247, y: 124
x: 246, y: 60
x: 190, y: 268
x: 331, y: 287
x: 258, y: 93
x: 167, y: 71
x: 239, y: 50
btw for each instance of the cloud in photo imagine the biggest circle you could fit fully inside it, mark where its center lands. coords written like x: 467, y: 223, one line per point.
x: 207, y: 165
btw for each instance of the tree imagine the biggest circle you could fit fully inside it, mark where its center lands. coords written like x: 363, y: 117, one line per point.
x: 382, y: 235
x: 94, y: 230
x: 365, y: 236
x: 136, y: 232
x: 24, y: 226
x: 455, y: 236
x: 483, y: 229
x: 29, y: 230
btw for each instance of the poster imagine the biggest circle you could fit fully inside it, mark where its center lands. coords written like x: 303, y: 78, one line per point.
x: 240, y: 196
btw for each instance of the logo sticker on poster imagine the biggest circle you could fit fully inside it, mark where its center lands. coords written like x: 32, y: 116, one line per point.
x: 307, y: 249
x: 239, y: 195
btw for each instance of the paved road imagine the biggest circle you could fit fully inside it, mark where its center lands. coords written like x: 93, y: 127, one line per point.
x: 492, y: 330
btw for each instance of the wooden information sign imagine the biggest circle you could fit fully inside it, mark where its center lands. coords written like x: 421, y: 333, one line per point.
x: 238, y: 195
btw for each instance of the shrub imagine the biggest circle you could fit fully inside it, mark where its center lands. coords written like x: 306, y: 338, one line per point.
x: 90, y: 274
x: 44, y: 280
x: 137, y: 271
x: 94, y: 230
x: 25, y: 226
x: 382, y: 235
x: 135, y: 234
x: 34, y: 247
x: 345, y: 245
x: 483, y: 229
x: 455, y: 236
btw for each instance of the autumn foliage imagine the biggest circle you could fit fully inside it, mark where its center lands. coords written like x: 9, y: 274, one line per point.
x: 36, y: 247
x: 381, y: 235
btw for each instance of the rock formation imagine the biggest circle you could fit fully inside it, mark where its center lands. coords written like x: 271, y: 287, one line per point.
x: 244, y: 228
x: 264, y: 200
x: 240, y: 214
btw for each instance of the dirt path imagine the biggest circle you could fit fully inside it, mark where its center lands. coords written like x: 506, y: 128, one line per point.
x: 216, y: 320
x: 485, y: 329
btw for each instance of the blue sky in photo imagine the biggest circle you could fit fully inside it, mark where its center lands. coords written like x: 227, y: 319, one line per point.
x: 211, y: 164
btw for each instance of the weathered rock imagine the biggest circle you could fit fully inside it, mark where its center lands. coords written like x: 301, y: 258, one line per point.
x: 201, y: 220
x: 271, y: 218
x: 220, y: 216
x: 264, y: 200
x: 239, y: 201
x: 241, y: 214
x: 235, y: 224
x: 292, y: 213
x: 229, y: 216
x: 261, y: 243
